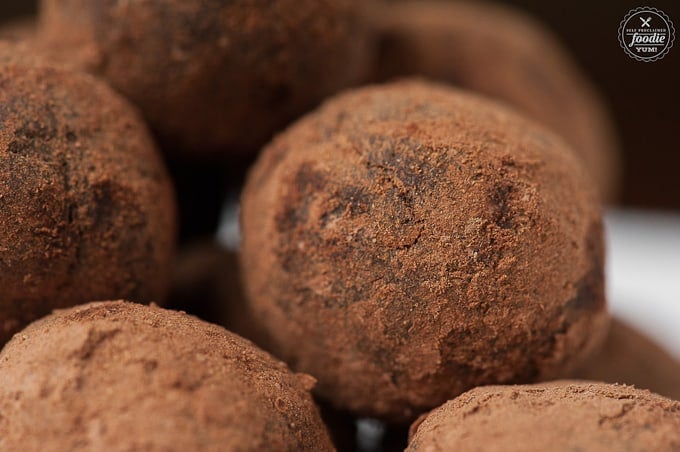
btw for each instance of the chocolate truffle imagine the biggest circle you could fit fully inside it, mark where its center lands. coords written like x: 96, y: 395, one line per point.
x: 407, y: 242
x: 566, y: 415
x: 123, y: 376
x: 210, y: 75
x: 506, y: 55
x: 86, y: 207
x: 628, y: 356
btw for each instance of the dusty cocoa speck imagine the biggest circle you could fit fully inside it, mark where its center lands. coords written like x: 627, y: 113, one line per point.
x: 86, y: 206
x: 564, y: 415
x: 344, y: 264
x: 99, y: 377
x: 213, y: 76
x: 505, y: 54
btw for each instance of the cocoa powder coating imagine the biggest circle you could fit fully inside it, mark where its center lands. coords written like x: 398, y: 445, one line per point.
x: 122, y: 376
x: 214, y: 76
x: 502, y: 53
x: 86, y: 207
x: 407, y: 242
x: 559, y: 416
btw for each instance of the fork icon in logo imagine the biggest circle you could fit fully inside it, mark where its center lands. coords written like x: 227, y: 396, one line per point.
x: 642, y: 40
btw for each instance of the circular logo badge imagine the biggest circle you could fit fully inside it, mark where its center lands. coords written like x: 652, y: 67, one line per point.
x: 646, y: 34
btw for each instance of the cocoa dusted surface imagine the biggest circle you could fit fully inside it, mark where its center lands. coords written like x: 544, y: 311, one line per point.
x: 505, y: 54
x: 564, y: 415
x: 86, y: 205
x: 407, y: 242
x: 628, y: 356
x: 289, y: 55
x: 123, y: 376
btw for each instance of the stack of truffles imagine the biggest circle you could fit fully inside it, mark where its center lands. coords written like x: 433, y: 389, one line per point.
x: 426, y: 251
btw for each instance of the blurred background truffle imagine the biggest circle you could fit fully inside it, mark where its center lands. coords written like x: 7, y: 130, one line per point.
x: 290, y: 54
x: 630, y: 357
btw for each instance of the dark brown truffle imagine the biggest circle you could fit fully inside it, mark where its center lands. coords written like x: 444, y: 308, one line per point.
x: 506, y: 55
x: 122, y: 376
x: 407, y: 242
x: 86, y: 206
x: 628, y: 356
x: 212, y: 75
x: 567, y: 415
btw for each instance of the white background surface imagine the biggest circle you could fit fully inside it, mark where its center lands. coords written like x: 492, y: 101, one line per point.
x: 643, y: 272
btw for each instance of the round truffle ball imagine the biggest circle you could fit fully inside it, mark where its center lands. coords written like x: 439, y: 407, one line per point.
x: 628, y: 356
x: 566, y: 415
x: 122, y: 376
x: 86, y: 207
x: 506, y: 55
x: 407, y: 242
x: 214, y: 76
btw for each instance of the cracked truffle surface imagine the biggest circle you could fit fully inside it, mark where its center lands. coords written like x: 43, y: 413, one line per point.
x: 565, y: 415
x: 407, y: 242
x: 86, y: 206
x: 122, y: 376
x: 228, y: 75
x: 506, y: 55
